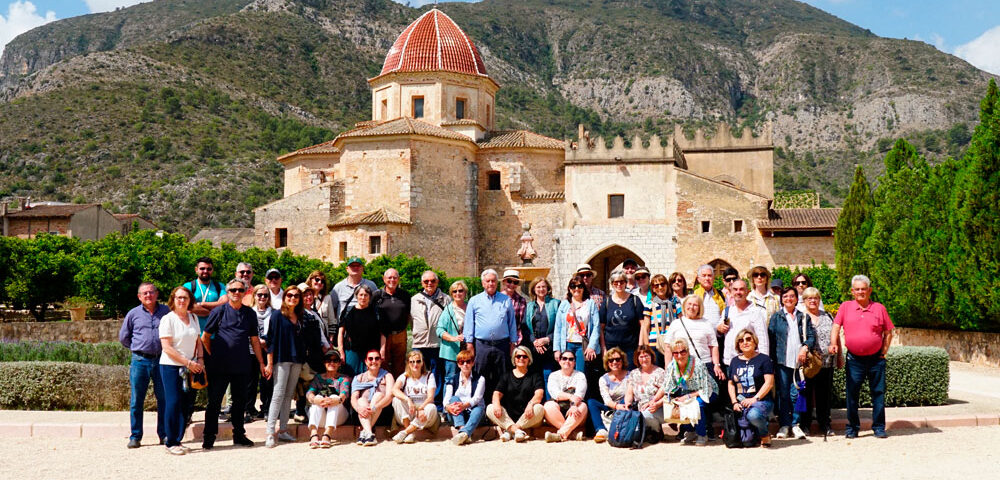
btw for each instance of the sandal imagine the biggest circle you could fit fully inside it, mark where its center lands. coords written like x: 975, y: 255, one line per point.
x: 326, y: 442
x: 765, y: 442
x: 312, y: 441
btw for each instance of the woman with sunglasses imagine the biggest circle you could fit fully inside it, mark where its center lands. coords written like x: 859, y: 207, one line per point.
x: 413, y: 402
x: 449, y: 330
x: 314, y: 337
x: 261, y: 307
x: 801, y: 282
x: 820, y: 387
x: 360, y: 331
x: 286, y: 352
x: 760, y: 291
x: 622, y: 318
x: 791, y: 336
x: 664, y: 308
x: 703, y: 344
x: 612, y: 386
x: 678, y: 287
x: 371, y: 391
x: 326, y: 304
x: 327, y: 395
x: 464, y: 399
x: 576, y: 325
x: 688, y: 380
x: 645, y: 387
x: 567, y: 410
x: 518, y: 394
x: 540, y: 316
x: 751, y: 377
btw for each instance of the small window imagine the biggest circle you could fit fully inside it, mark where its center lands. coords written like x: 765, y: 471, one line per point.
x: 616, y: 206
x: 737, y: 226
x: 489, y: 115
x: 706, y: 226
x: 280, y: 237
x: 385, y: 109
x: 493, y: 180
x: 418, y: 107
x: 375, y: 245
x: 342, y: 254
x: 460, y: 108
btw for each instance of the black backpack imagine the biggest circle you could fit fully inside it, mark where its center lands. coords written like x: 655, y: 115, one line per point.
x: 738, y: 432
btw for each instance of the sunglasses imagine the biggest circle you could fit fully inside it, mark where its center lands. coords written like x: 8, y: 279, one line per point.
x: 262, y: 295
x: 237, y: 290
x: 574, y: 286
x: 680, y: 353
x: 745, y: 340
x: 758, y: 275
x: 292, y: 295
x: 679, y: 280
x: 318, y: 280
x: 465, y: 362
x: 565, y: 357
x: 800, y: 282
x: 729, y: 279
x: 415, y: 362
x: 586, y: 275
x: 205, y: 269
x: 616, y: 359
x: 512, y: 282
x: 659, y: 285
x: 520, y: 357
x: 374, y: 359
x: 428, y: 281
x: 244, y: 272
x: 619, y: 282
x: 459, y: 290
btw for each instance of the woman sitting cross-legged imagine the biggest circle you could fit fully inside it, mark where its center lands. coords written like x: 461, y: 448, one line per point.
x: 464, y: 399
x: 326, y: 397
x: 687, y: 380
x: 613, y: 387
x: 518, y: 395
x: 413, y: 401
x: 567, y: 410
x: 371, y: 391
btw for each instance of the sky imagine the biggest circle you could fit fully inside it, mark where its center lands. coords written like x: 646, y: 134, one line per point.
x: 969, y: 29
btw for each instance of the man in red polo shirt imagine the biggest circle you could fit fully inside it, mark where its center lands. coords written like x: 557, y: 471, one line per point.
x: 867, y: 334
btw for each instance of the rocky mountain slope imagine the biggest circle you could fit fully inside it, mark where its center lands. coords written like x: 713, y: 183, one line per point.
x: 176, y: 109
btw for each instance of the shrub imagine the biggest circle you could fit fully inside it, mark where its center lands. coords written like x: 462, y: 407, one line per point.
x: 65, y: 386
x: 109, y: 353
x: 913, y: 376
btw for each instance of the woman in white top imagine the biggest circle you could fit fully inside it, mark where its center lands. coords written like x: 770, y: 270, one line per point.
x: 577, y: 325
x: 567, y: 410
x: 414, y: 399
x: 699, y: 333
x: 179, y: 335
x: 760, y: 293
x: 464, y: 396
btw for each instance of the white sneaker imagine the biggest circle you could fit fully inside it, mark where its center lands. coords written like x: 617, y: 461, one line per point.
x: 553, y: 437
x: 270, y: 443
x: 460, y: 439
x: 782, y: 433
x: 689, y: 438
x: 399, y: 437
x: 797, y: 432
x: 505, y: 437
x: 601, y: 436
x: 176, y: 450
x: 520, y: 436
x: 410, y: 438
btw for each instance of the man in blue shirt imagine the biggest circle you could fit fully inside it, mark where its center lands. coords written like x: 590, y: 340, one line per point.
x: 140, y: 333
x: 208, y: 292
x: 490, y: 330
x: 230, y: 331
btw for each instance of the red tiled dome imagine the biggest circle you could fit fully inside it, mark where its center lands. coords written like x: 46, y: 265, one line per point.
x: 433, y: 42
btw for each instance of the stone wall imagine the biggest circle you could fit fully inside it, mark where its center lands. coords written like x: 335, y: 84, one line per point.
x: 305, y: 216
x: 796, y: 251
x: 90, y: 331
x: 977, y: 348
x: 30, y: 227
x: 652, y: 244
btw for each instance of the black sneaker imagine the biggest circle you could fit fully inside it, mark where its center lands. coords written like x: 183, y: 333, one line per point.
x: 208, y: 443
x: 242, y: 440
x: 133, y: 443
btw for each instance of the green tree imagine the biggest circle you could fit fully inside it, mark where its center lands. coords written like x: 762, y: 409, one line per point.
x: 853, y: 228
x: 42, y: 274
x: 975, y: 249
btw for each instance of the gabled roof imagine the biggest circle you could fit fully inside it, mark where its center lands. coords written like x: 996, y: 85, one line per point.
x: 373, y: 217
x: 800, y: 219
x: 51, y: 211
x: 402, y: 126
x: 325, y: 147
x: 520, y: 139
x: 433, y: 42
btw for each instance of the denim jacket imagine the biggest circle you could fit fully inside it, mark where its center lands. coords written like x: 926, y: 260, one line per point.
x: 777, y: 332
x: 592, y: 337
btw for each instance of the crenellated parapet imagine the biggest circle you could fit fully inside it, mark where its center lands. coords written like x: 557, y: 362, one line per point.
x: 723, y: 139
x: 595, y: 150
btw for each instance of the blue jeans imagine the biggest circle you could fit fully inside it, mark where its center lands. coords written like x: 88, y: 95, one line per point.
x: 140, y: 372
x: 701, y: 429
x: 468, y: 420
x: 785, y: 393
x: 758, y: 414
x: 354, y: 360
x: 594, y: 408
x: 173, y: 408
x: 859, y: 367
x: 435, y: 364
x: 450, y: 372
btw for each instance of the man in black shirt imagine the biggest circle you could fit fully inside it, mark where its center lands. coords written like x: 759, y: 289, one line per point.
x: 393, y: 307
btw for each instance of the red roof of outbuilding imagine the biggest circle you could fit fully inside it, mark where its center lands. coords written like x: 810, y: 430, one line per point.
x: 433, y: 42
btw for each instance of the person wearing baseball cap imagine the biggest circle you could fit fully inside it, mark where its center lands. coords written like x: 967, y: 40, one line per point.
x: 273, y: 280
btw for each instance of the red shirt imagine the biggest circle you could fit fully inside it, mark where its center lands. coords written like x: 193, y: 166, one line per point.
x: 863, y: 327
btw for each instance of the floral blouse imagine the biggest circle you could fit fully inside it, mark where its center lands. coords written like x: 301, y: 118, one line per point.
x: 643, y: 392
x: 612, y: 391
x: 695, y: 378
x: 823, y: 323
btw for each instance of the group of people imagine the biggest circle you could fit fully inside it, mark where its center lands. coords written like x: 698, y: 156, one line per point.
x: 570, y: 359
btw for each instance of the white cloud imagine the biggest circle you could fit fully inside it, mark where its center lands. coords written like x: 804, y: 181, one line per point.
x: 21, y: 17
x: 938, y: 42
x: 109, y: 5
x: 983, y: 52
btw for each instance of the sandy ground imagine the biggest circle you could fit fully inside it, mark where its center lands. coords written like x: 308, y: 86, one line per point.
x: 925, y: 453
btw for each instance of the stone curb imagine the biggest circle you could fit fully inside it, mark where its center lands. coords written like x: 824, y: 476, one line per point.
x: 347, y: 434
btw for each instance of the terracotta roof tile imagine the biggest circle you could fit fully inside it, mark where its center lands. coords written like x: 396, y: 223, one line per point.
x: 433, y: 42
x: 800, y: 219
x: 520, y: 139
x: 42, y: 211
x: 325, y: 147
x: 374, y: 217
x: 403, y: 126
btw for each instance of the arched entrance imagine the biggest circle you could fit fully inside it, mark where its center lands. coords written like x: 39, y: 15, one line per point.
x: 719, y: 265
x: 607, y: 260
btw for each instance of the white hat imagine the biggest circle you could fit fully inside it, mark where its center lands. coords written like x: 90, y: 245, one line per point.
x: 511, y: 273
x: 584, y: 267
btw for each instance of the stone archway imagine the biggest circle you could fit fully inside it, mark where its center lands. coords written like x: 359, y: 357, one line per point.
x: 606, y: 260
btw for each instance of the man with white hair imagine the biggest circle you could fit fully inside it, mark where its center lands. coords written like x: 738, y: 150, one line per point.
x: 713, y: 300
x: 490, y: 330
x: 867, y: 334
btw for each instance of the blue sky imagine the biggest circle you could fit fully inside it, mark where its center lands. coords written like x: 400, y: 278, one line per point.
x: 967, y: 28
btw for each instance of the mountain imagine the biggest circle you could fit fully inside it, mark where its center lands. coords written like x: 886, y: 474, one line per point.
x: 176, y: 109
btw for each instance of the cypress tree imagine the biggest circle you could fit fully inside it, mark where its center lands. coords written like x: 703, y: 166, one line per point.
x: 853, y: 228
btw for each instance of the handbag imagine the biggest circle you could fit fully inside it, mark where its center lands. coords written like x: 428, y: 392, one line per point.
x: 814, y: 361
x: 194, y: 381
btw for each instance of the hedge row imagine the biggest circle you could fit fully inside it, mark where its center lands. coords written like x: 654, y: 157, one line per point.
x: 914, y: 376
x: 65, y: 386
x: 108, y: 353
